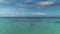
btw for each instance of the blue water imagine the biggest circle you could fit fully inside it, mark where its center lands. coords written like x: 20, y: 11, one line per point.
x: 30, y: 25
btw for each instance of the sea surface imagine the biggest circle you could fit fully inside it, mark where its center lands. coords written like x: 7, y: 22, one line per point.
x: 29, y: 25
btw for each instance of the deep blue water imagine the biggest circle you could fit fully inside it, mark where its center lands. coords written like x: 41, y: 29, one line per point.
x: 30, y: 25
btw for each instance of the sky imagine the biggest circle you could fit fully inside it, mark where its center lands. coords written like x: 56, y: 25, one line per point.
x: 29, y: 8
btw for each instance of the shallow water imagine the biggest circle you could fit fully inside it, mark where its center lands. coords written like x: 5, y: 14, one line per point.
x: 29, y: 25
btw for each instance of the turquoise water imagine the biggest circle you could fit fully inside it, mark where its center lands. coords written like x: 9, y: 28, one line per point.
x: 30, y: 25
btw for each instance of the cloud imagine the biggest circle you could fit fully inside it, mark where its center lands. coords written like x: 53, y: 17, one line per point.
x: 13, y: 12
x: 45, y: 3
x: 29, y: 3
x: 7, y: 12
x: 39, y: 13
x: 35, y: 4
x: 21, y: 6
x: 3, y: 1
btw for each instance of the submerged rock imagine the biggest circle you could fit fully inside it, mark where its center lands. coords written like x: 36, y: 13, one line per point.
x: 32, y: 24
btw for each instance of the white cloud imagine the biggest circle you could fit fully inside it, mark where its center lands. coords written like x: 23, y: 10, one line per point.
x: 12, y: 12
x: 38, y: 4
x: 45, y: 3
x: 38, y: 13
x: 3, y: 1
x: 42, y: 4
x: 28, y: 3
x: 7, y: 12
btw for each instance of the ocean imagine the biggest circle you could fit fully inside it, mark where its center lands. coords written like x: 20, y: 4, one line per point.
x: 30, y: 25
